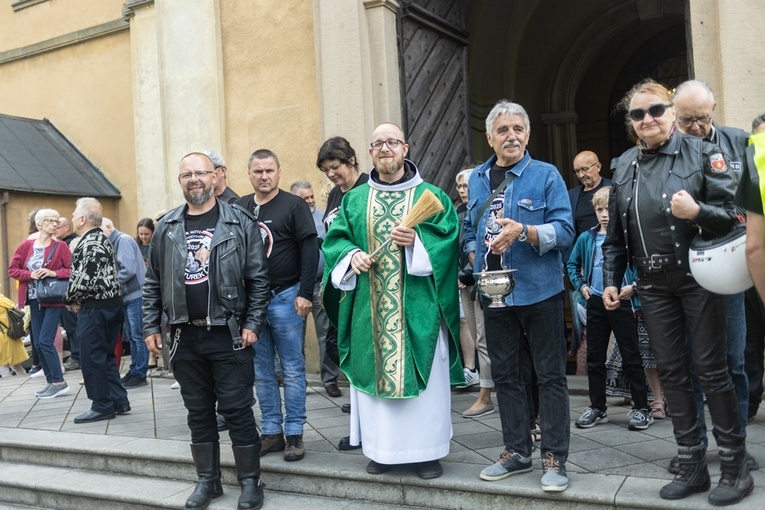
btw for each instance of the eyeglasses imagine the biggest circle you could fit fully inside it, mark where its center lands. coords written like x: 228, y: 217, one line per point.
x: 197, y: 175
x: 392, y: 144
x: 462, y: 186
x: 582, y: 170
x: 655, y: 111
x: 687, y: 122
x: 333, y: 168
x: 50, y: 220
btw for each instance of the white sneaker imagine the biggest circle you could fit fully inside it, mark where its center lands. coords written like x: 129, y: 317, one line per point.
x: 175, y: 386
x: 39, y: 373
x: 471, y: 378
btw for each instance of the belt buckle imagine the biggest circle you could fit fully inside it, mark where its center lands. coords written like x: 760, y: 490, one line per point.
x: 198, y: 322
x: 659, y: 261
x: 238, y: 344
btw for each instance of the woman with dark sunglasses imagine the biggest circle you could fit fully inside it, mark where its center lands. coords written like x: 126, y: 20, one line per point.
x: 665, y: 191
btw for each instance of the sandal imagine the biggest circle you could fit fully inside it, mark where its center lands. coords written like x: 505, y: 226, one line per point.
x: 659, y: 409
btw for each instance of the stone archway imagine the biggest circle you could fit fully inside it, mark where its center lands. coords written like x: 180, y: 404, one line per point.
x: 561, y: 62
x: 596, y: 71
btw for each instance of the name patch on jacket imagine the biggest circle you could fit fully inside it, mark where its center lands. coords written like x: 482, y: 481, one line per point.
x: 718, y: 163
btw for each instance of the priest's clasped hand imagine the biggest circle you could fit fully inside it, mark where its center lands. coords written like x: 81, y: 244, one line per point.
x: 402, y: 235
x: 361, y: 262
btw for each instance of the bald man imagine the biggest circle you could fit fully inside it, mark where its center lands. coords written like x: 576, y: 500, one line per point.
x: 587, y: 170
x: 695, y: 104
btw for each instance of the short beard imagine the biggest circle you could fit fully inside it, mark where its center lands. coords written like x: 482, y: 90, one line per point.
x: 389, y: 168
x: 199, y: 199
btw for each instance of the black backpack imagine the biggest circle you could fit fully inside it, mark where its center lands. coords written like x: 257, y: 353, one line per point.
x: 15, y: 327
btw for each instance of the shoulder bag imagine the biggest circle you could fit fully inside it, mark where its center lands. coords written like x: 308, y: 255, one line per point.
x: 51, y: 290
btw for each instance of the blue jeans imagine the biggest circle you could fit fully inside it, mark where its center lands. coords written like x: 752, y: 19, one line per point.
x: 282, y: 334
x: 543, y: 325
x: 735, y: 356
x: 44, y: 325
x: 133, y: 329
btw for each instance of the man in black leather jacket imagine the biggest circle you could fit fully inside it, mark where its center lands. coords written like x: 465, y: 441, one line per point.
x: 695, y: 106
x: 207, y: 273
x: 665, y: 191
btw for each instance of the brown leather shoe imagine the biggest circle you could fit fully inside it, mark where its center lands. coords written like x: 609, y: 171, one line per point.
x: 271, y: 443
x: 333, y: 390
x: 295, y: 449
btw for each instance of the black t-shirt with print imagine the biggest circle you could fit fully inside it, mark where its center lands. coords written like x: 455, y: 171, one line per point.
x: 497, y: 175
x: 286, y: 225
x: 199, y: 234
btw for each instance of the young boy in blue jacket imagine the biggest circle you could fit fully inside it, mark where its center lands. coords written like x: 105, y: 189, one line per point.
x: 585, y: 270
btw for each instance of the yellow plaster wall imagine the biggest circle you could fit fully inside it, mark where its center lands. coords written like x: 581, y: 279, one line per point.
x: 271, y: 101
x: 727, y: 56
x: 85, y: 90
x: 53, y: 18
x: 269, y: 70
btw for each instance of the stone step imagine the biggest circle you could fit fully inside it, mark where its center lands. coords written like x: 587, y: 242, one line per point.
x: 48, y: 469
x: 31, y: 487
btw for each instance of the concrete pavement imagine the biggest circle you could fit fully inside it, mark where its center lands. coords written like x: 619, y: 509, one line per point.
x: 608, y: 464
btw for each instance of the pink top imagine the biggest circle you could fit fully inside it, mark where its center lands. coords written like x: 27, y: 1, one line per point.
x: 59, y: 263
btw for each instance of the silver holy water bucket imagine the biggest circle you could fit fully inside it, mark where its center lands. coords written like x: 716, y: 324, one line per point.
x: 496, y: 285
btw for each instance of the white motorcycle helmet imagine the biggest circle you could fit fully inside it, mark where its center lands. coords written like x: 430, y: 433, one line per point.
x: 719, y: 265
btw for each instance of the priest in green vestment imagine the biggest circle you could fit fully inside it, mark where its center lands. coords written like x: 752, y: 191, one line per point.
x: 398, y: 315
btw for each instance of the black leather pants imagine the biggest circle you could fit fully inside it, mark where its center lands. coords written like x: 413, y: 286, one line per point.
x: 671, y: 301
x: 209, y: 371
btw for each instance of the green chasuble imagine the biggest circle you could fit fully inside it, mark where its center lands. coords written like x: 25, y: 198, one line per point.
x: 388, y: 325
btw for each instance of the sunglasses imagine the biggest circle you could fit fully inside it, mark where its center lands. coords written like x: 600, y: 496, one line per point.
x: 655, y: 111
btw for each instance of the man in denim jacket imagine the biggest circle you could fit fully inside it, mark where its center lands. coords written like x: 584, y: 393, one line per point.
x: 526, y: 227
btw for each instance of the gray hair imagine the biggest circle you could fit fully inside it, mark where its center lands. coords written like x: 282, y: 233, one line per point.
x: 43, y: 214
x: 300, y: 185
x: 694, y: 85
x: 506, y: 107
x: 463, y: 174
x: 760, y: 119
x: 216, y: 158
x: 91, y: 209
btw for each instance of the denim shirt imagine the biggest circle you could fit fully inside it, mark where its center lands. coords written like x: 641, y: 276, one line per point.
x: 536, y: 196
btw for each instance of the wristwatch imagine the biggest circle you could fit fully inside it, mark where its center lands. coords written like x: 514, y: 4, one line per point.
x: 524, y: 235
